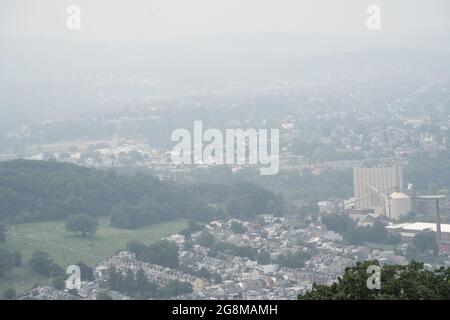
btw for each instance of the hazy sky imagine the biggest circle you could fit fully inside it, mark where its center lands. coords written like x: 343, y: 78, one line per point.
x: 127, y: 19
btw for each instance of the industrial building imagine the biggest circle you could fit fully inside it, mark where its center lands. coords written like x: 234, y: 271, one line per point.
x: 407, y: 231
x: 379, y: 191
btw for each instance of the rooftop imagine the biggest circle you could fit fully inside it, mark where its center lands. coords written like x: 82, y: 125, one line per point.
x: 419, y: 226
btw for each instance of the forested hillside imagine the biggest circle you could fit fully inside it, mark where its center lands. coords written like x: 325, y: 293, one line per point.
x: 42, y: 191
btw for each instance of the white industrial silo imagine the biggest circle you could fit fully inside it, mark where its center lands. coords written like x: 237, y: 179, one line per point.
x: 399, y: 205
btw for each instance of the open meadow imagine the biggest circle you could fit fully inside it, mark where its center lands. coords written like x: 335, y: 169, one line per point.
x: 66, y: 248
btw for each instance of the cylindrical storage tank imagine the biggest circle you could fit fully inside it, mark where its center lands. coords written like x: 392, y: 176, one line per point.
x: 400, y: 205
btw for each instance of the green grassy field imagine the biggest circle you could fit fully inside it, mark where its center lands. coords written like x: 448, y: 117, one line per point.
x: 66, y: 248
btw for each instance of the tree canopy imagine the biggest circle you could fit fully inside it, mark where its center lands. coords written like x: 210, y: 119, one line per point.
x: 83, y: 224
x: 357, y: 235
x: 425, y: 241
x: 164, y: 253
x: 398, y: 282
x: 42, y: 191
x: 6, y: 262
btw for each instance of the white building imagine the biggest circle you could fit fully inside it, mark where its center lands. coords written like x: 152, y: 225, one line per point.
x: 376, y: 189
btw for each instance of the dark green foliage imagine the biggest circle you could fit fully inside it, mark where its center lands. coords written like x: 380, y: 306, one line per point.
x: 376, y: 233
x: 311, y: 208
x: 294, y: 260
x: 17, y: 256
x: 138, y: 248
x: 56, y: 270
x: 83, y: 224
x: 193, y: 226
x: 203, y: 273
x: 41, y: 191
x: 206, y: 239
x: 175, y: 288
x: 234, y: 250
x: 241, y: 199
x: 247, y: 200
x: 188, y: 245
x: 87, y: 273
x: 263, y: 257
x: 238, y: 227
x: 356, y: 235
x: 337, y: 222
x: 59, y: 282
x: 425, y: 241
x: 116, y: 281
x: 145, y: 288
x: 6, y: 262
x: 132, y: 284
x: 9, y: 294
x: 399, y: 282
x: 429, y: 173
x: 412, y: 252
x: 2, y: 234
x: 293, y: 183
x: 164, y: 253
x: 40, y: 263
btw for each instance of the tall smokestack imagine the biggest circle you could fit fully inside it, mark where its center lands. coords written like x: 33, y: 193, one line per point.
x: 438, y: 221
x: 400, y: 181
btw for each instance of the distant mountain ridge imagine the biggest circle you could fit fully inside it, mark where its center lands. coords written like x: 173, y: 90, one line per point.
x: 45, y: 79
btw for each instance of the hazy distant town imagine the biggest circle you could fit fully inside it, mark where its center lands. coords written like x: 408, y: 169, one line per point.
x: 94, y: 207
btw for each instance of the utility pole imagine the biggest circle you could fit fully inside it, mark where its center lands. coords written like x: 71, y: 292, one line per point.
x: 438, y: 221
x: 436, y: 198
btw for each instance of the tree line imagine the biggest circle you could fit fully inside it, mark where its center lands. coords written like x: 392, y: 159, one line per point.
x: 43, y: 191
x: 358, y: 235
x: 397, y: 282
